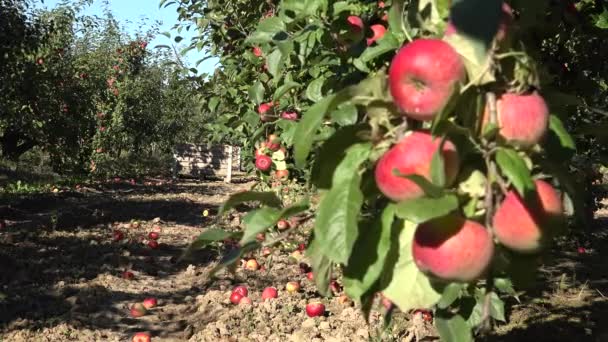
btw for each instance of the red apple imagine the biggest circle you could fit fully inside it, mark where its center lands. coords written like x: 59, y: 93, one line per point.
x: 522, y: 120
x: 282, y: 225
x: 581, y: 250
x: 264, y: 108
x: 315, y: 309
x: 40, y: 61
x: 352, y: 31
x: 266, y: 251
x: 242, y: 290
x: 269, y: 293
x: 149, y: 303
x: 292, y: 287
x: 260, y: 152
x: 423, y: 76
x: 413, y: 156
x: 128, y: 275
x: 252, y: 265
x: 153, y: 236
x: 235, y: 297
x: 117, y: 235
x: 246, y: 301
x: 141, y: 337
x: 291, y: 116
x: 153, y: 244
x: 263, y: 163
x: 526, y: 227
x: 310, y: 276
x: 257, y: 52
x: 381, y: 4
x: 273, y: 143
x: 138, y: 310
x: 427, y: 316
x: 302, y: 247
x: 281, y: 174
x: 453, y: 248
x: 378, y: 32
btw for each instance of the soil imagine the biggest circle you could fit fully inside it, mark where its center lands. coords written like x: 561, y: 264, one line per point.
x: 62, y: 277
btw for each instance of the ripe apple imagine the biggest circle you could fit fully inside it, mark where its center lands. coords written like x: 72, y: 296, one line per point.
x: 378, y: 32
x: 387, y: 303
x: 292, y: 287
x: 266, y: 251
x: 138, y: 310
x: 527, y: 227
x: 149, y: 303
x: 264, y: 108
x: 40, y: 61
x: 117, y: 235
x: 128, y: 275
x: 242, y: 290
x: 310, y: 276
x: 453, y: 248
x: 302, y: 247
x: 344, y: 300
x: 153, y: 235
x: 260, y: 152
x: 269, y: 293
x: 351, y: 32
x: 143, y: 45
x: 315, y: 309
x: 413, y: 156
x: 281, y: 174
x: 257, y: 52
x: 273, y: 143
x: 153, y: 244
x: 235, y: 297
x: 141, y: 337
x: 246, y: 301
x: 282, y: 225
x: 423, y: 76
x: 291, y: 116
x: 522, y: 120
x: 263, y: 163
x: 252, y: 265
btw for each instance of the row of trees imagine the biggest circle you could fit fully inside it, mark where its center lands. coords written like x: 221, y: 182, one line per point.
x: 88, y: 94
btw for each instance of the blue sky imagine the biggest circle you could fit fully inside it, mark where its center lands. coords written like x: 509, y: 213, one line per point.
x: 132, y: 13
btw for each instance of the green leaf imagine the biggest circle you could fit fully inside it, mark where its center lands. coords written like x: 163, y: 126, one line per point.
x: 450, y: 294
x: 404, y: 284
x: 395, y: 21
x: 282, y: 90
x: 275, y: 63
x: 388, y: 43
x: 314, y: 90
x: 256, y: 92
x: 438, y: 166
x: 345, y: 115
x: 266, y: 30
x: 429, y: 188
x: 423, y: 209
x: 336, y: 222
x: 453, y: 329
x: 260, y: 220
x: 497, y: 307
x: 210, y: 236
x: 267, y: 198
x: 321, y: 266
x: 557, y: 127
x: 213, y: 103
x: 515, y: 169
x: 364, y: 269
x: 234, y: 256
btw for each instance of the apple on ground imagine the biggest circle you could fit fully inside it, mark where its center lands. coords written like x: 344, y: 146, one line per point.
x: 153, y: 235
x: 138, y: 310
x: 150, y: 302
x: 128, y: 275
x: 413, y: 155
x: 252, y: 265
x: 269, y: 293
x: 282, y: 224
x: 246, y: 301
x: 423, y: 76
x: 235, y: 297
x: 117, y: 235
x: 315, y: 309
x: 266, y: 251
x: 453, y: 248
x: 427, y: 316
x: 292, y: 287
x: 141, y: 337
x: 310, y: 276
x: 153, y: 244
x: 344, y: 300
x: 242, y: 290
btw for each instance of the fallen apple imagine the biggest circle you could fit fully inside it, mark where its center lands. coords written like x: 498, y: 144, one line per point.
x: 153, y: 244
x: 141, y: 337
x: 269, y: 293
x: 292, y: 287
x: 138, y: 310
x: 315, y: 309
x: 149, y: 303
x: 246, y: 301
x: 242, y: 290
x: 153, y: 235
x: 128, y: 275
x: 235, y: 297
x: 252, y: 265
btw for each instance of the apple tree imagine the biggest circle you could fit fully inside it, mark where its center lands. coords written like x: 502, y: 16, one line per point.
x: 429, y: 131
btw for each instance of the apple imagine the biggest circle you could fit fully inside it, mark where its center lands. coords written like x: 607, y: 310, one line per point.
x: 115, y: 92
x: 246, y: 301
x: 315, y: 309
x: 40, y: 61
x: 281, y: 174
x: 335, y: 287
x: 102, y: 129
x: 381, y: 4
x: 252, y: 265
x: 264, y: 108
x: 292, y: 287
x: 2, y: 225
x: 527, y: 227
x: 153, y: 244
x: 378, y: 32
x: 153, y: 235
x: 242, y: 290
x: 128, y: 275
x: 351, y: 32
x: 422, y: 77
x: 344, y: 300
x: 310, y: 276
x: 290, y: 116
x: 522, y: 120
x: 235, y: 297
x: 138, y: 310
x: 266, y: 251
x: 387, y: 303
x: 452, y: 248
x: 141, y: 337
x: 269, y: 293
x: 99, y: 150
x: 581, y: 250
x: 149, y: 303
x: 117, y: 235
x: 260, y: 152
x: 273, y: 143
x: 413, y: 156
x: 302, y: 247
x: 263, y: 163
x: 257, y: 52
x: 427, y: 316
x: 282, y: 224
x: 260, y: 237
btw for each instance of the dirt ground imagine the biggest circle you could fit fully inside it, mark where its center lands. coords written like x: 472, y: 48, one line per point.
x: 61, y: 275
